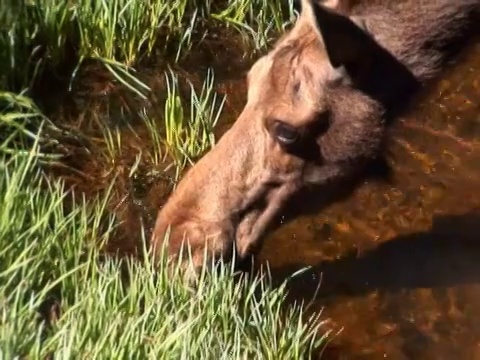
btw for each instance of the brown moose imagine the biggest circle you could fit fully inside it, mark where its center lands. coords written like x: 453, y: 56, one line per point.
x: 318, y: 106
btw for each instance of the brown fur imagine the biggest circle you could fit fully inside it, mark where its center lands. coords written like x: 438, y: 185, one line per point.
x: 333, y: 79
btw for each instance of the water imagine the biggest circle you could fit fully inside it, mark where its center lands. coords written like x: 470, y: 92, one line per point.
x: 399, y: 263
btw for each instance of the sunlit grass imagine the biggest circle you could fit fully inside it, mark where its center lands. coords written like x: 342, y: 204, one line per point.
x: 156, y: 154
x: 176, y: 136
x: 258, y: 21
x: 188, y: 137
x: 59, y: 297
x: 119, y: 33
x: 112, y: 137
x: 205, y: 111
x: 20, y: 120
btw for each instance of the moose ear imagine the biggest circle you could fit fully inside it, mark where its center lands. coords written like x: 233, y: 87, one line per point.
x: 345, y: 38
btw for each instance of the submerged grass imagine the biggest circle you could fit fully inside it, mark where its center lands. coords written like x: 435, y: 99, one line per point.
x: 60, y: 296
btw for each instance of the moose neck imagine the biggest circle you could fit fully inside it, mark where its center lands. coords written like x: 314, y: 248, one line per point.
x: 415, y: 42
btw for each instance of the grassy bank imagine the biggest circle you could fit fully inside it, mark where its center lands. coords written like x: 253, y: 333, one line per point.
x: 61, y: 296
x: 40, y: 34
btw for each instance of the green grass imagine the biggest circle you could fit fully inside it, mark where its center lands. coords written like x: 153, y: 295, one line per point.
x: 60, y: 296
x: 187, y: 138
x: 37, y: 34
x: 20, y: 120
x: 257, y: 20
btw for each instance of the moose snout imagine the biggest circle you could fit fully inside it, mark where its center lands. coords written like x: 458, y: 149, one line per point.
x: 224, y: 204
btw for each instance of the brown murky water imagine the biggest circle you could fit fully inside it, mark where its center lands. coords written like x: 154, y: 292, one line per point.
x: 399, y: 263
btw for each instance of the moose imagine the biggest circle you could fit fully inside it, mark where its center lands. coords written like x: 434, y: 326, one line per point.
x: 318, y: 107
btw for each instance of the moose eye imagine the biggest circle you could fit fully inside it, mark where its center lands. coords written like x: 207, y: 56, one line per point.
x: 285, y: 134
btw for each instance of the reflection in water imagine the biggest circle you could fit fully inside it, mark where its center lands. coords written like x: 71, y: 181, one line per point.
x: 399, y: 262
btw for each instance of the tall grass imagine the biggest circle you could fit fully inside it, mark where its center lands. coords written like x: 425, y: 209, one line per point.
x: 118, y: 33
x: 186, y: 138
x: 20, y: 120
x: 59, y: 298
x: 258, y: 20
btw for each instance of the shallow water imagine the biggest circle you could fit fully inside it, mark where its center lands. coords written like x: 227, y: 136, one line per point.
x: 399, y: 263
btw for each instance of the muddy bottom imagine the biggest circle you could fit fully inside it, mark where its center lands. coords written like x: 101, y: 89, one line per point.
x: 399, y: 263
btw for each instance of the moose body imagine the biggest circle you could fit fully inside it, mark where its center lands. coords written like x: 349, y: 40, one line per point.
x: 317, y: 110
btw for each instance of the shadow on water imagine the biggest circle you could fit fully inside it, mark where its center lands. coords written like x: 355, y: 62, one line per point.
x: 446, y: 255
